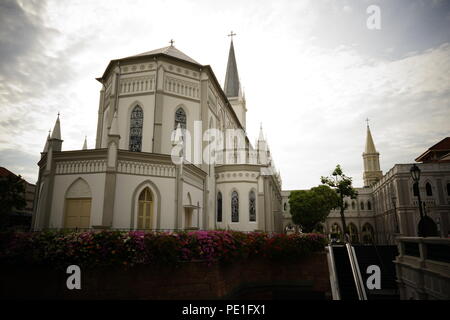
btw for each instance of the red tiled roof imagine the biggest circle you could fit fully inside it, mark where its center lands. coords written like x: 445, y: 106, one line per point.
x: 440, y: 147
x: 444, y: 144
x: 5, y: 172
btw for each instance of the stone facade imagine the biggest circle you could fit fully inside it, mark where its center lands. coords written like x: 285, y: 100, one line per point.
x: 144, y: 100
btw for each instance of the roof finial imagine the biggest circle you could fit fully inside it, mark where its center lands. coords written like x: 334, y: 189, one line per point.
x: 231, y: 35
x: 367, y: 120
x: 171, y: 42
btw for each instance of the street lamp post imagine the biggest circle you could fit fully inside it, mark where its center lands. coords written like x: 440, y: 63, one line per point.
x: 426, y: 227
x: 415, y: 174
x: 394, y: 201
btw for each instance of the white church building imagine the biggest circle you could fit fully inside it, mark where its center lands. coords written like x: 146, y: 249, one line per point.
x: 131, y: 181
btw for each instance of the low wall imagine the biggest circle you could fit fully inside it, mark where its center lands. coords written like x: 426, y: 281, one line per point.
x: 255, y: 279
x: 423, y: 268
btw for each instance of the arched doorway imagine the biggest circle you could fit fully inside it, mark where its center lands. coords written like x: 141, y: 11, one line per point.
x: 78, y: 205
x: 145, y: 209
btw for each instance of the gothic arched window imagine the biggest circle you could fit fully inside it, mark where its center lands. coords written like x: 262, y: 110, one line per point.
x: 252, y: 206
x: 136, y: 122
x: 180, y: 118
x: 353, y: 205
x: 234, y: 207
x: 428, y: 189
x: 369, y: 205
x: 353, y: 230
x: 362, y: 205
x: 416, y: 189
x: 219, y: 207
x: 145, y: 209
x: 367, y: 233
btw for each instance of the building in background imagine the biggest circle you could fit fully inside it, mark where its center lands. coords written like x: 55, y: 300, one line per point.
x: 387, y: 205
x: 20, y: 218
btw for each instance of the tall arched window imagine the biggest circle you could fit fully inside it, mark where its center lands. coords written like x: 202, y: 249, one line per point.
x: 353, y: 233
x: 416, y: 189
x: 219, y: 207
x: 285, y: 206
x: 428, y: 189
x: 252, y: 206
x: 369, y: 205
x: 136, y: 122
x: 180, y: 118
x: 353, y: 205
x: 367, y: 233
x: 234, y: 207
x: 145, y: 210
x: 362, y: 205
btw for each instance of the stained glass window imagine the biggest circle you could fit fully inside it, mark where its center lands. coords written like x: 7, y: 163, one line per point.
x: 180, y: 118
x: 136, y: 122
x: 219, y: 207
x: 252, y: 206
x: 234, y: 207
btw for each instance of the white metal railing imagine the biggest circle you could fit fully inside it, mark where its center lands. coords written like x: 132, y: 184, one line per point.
x: 359, y: 283
x: 333, y: 275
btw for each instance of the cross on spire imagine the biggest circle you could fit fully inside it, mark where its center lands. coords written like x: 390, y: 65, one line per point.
x: 171, y: 42
x: 231, y: 35
x: 367, y: 120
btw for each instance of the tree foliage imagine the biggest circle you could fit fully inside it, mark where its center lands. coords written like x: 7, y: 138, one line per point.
x: 311, y: 207
x: 12, y: 195
x: 343, y: 187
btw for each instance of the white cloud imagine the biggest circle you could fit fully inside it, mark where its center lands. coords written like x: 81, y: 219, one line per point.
x: 311, y: 95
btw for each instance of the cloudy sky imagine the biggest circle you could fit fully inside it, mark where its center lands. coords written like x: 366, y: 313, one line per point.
x: 312, y: 73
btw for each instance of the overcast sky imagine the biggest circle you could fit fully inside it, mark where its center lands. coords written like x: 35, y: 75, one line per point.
x: 312, y: 73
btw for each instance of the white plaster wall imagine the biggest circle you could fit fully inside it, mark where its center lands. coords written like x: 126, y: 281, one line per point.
x: 96, y: 182
x: 196, y: 197
x: 243, y: 189
x: 171, y: 104
x: 126, y: 186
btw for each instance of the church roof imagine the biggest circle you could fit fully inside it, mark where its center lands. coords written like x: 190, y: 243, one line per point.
x: 232, y: 85
x: 174, y: 53
x: 169, y: 51
x: 370, y: 146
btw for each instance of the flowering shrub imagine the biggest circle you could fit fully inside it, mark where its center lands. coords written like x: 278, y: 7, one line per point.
x: 113, y: 248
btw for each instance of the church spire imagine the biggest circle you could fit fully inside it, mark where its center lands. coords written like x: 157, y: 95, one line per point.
x: 85, y: 143
x: 371, y: 158
x: 56, y: 133
x: 370, y: 146
x: 47, y: 142
x: 232, y: 86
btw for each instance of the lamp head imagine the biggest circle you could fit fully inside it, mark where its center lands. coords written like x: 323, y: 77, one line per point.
x: 415, y: 173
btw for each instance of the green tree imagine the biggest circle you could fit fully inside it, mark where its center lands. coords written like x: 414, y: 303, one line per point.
x: 343, y: 187
x: 12, y: 196
x: 311, y: 207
